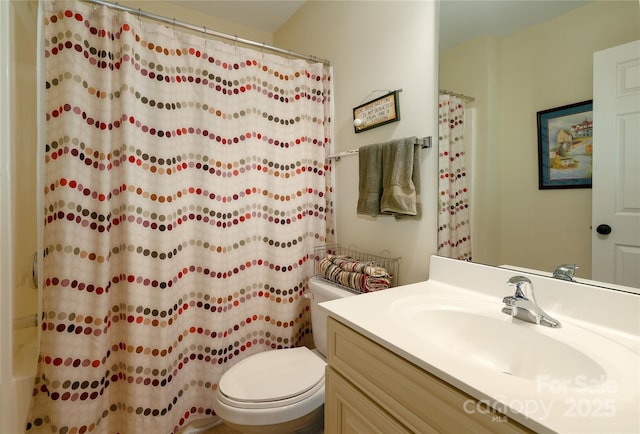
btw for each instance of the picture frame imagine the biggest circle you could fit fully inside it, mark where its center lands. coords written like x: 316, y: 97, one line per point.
x: 377, y: 112
x: 565, y: 146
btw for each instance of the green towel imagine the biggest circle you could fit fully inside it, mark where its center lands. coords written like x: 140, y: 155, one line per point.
x: 370, y: 179
x: 389, y: 179
x: 401, y: 178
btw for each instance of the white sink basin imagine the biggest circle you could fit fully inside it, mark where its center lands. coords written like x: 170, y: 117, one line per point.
x: 481, y: 334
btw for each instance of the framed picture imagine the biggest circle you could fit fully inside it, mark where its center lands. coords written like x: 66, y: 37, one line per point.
x: 565, y: 146
x: 377, y: 112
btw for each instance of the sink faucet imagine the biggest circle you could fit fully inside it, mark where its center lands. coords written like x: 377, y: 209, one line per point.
x: 523, y: 305
x: 565, y: 272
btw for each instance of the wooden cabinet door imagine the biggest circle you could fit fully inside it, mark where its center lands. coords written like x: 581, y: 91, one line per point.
x: 349, y: 411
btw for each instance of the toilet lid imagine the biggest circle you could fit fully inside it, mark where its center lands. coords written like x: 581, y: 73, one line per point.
x: 273, y: 375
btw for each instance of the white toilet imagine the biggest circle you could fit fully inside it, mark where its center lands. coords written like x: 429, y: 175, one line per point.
x: 281, y: 391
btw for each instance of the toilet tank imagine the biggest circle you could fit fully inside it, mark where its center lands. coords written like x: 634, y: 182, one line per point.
x: 320, y: 291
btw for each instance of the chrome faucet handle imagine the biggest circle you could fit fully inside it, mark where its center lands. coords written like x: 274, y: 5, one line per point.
x: 565, y: 272
x: 523, y: 306
x: 518, y: 279
x: 524, y: 287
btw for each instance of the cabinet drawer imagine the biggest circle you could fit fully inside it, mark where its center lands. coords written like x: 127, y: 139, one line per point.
x: 417, y: 399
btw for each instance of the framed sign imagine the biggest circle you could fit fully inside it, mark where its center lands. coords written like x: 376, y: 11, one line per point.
x: 377, y: 112
x: 565, y: 146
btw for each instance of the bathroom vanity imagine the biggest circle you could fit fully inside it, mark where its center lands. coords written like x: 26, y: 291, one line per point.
x: 441, y: 356
x: 369, y: 389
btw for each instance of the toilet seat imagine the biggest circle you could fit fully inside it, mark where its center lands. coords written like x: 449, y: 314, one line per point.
x: 272, y: 379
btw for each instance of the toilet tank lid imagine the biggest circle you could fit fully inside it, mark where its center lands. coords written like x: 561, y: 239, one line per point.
x: 327, y: 290
x: 273, y: 375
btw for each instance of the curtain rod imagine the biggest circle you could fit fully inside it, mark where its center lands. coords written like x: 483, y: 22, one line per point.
x: 424, y: 143
x: 202, y: 29
x: 459, y: 95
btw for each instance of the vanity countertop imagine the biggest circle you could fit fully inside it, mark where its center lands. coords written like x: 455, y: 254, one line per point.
x: 583, y: 377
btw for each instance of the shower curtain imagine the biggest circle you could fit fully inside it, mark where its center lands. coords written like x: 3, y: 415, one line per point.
x: 186, y: 184
x: 454, y: 231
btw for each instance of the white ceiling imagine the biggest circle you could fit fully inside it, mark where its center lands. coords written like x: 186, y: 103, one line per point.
x: 460, y: 20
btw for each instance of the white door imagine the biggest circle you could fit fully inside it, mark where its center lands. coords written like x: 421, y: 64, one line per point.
x: 616, y: 165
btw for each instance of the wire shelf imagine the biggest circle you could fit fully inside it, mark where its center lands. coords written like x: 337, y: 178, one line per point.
x: 356, y: 270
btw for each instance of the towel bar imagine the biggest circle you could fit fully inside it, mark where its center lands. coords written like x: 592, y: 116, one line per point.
x: 424, y: 142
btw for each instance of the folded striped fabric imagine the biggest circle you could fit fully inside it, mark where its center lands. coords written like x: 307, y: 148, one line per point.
x: 349, y: 264
x: 359, y: 281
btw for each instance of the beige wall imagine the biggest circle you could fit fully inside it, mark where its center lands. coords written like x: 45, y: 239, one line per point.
x: 377, y: 45
x: 23, y: 109
x: 545, y: 66
x: 172, y: 10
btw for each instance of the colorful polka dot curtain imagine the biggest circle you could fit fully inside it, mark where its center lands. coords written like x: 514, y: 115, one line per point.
x: 186, y: 184
x: 454, y: 230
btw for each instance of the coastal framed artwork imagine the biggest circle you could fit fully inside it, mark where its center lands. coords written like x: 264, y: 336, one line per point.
x: 565, y: 146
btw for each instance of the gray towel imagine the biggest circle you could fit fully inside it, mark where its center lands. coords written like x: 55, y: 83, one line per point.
x: 401, y: 178
x: 370, y: 179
